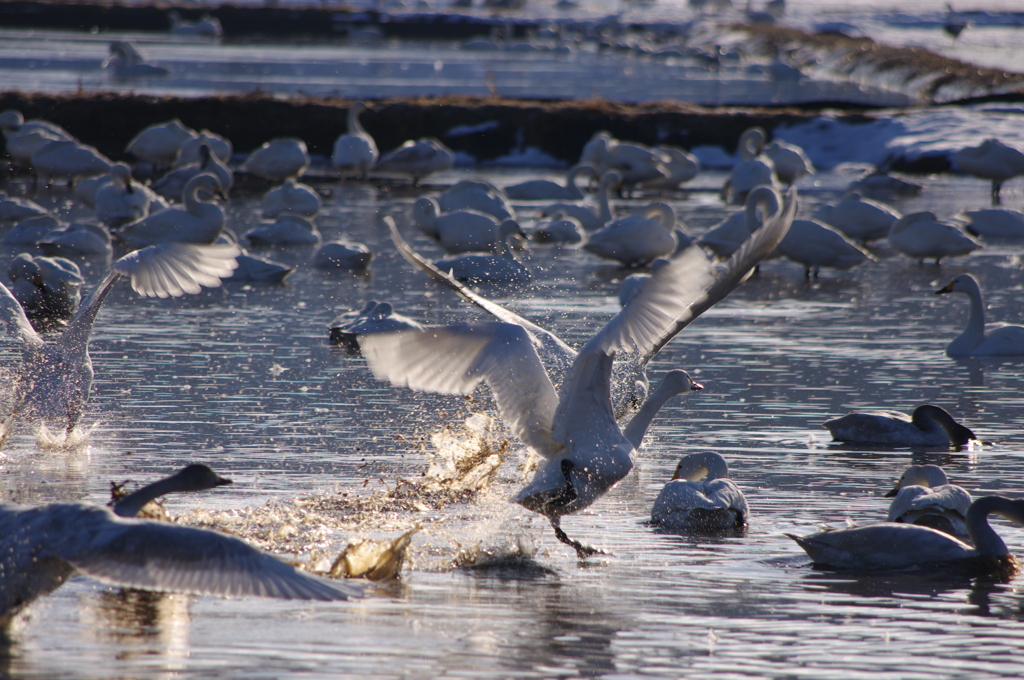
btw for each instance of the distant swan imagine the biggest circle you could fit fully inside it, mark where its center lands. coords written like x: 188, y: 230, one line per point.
x: 689, y: 504
x: 995, y: 223
x: 41, y: 547
x: 752, y: 169
x: 479, y: 195
x: 14, y: 209
x: 287, y: 230
x: 889, y: 545
x: 69, y: 159
x: 127, y: 62
x: 161, y: 143
x: 790, y: 161
x: 637, y: 238
x: 930, y: 425
x: 278, y: 159
x: 501, y: 267
x: 862, y: 219
x: 816, y: 245
x: 924, y: 496
x: 1000, y: 340
x: 417, y: 159
x: 590, y: 218
x: 56, y: 378
x: 920, y: 235
x: 458, y: 231
x: 355, y: 151
x: 544, y: 189
x: 123, y: 200
x: 991, y: 160
x: 291, y: 197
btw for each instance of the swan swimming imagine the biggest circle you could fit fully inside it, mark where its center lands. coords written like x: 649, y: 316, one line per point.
x: 701, y: 497
x: 929, y: 425
x: 41, y: 547
x: 924, y: 496
x: 56, y: 378
x: 999, y: 340
x: 572, y: 426
x: 891, y: 545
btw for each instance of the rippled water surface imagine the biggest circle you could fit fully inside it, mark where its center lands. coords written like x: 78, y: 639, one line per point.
x: 243, y: 378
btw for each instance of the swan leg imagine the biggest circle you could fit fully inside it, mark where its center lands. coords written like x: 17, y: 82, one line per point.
x: 997, y: 186
x: 583, y: 551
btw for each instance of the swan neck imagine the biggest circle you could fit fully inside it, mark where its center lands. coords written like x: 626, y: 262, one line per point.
x: 637, y: 427
x: 605, y: 211
x: 132, y: 504
x: 354, y: 127
x: 985, y: 538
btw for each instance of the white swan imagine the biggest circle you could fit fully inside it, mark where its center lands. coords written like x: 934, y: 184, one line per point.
x: 924, y: 496
x: 375, y: 317
x: 751, y: 170
x: 77, y: 239
x: 999, y: 340
x: 816, y: 245
x: 637, y: 238
x: 417, y: 159
x: 198, y: 222
x: 13, y: 209
x: 286, y: 230
x: 727, y: 236
x: 48, y: 288
x: 161, y: 143
x: 920, y: 235
x: 342, y: 255
x: 701, y: 497
x: 545, y: 189
x: 790, y: 161
x: 498, y: 267
x: 41, y: 547
x: 930, y: 425
x: 127, y: 62
x: 278, y: 159
x: 23, y: 138
x: 460, y: 231
x: 69, y: 159
x: 172, y: 185
x: 862, y: 219
x: 559, y: 228
x: 29, y: 232
x: 479, y: 195
x: 55, y: 378
x: 891, y: 545
x: 190, y: 150
x: 591, y: 219
x: 995, y: 223
x: 574, y: 429
x: 680, y: 165
x: 122, y: 200
x: 881, y: 186
x: 634, y: 162
x: 355, y: 151
x: 291, y: 197
x: 991, y: 160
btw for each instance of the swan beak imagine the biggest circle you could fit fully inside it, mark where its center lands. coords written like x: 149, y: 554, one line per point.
x: 895, y: 490
x: 948, y: 288
x: 694, y: 387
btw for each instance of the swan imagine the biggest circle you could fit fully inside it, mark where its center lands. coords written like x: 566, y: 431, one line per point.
x: 278, y: 159
x: 14, y: 209
x: 48, y: 288
x: 55, y: 378
x: 681, y: 167
x: 29, y: 232
x: 930, y: 425
x: 727, y: 236
x: 208, y: 26
x: 993, y: 223
x: 126, y: 62
x: 254, y: 268
x: 882, y: 186
x: 172, y: 185
x: 920, y: 235
x: 191, y: 149
x: 342, y: 255
x: 122, y: 200
x: 479, y: 195
x: 161, y: 143
x: 862, y: 219
x: 23, y: 138
x: 291, y: 197
x: 790, y: 161
x: 460, y: 231
x: 591, y: 219
x: 286, y: 230
x: 198, y: 222
x: 635, y: 163
x: 76, y: 239
x: 637, y: 238
x: 560, y: 228
x: 629, y: 381
x: 816, y: 245
x: 990, y: 160
x: 545, y: 189
x: 417, y: 159
x: 999, y: 340
x: 41, y: 547
x: 499, y: 266
x: 924, y: 496
x: 701, y: 497
x: 574, y: 428
x: 355, y: 151
x: 375, y: 317
x: 893, y: 545
x: 70, y: 160
x: 751, y: 170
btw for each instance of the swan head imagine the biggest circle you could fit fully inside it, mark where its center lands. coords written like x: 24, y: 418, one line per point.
x: 697, y: 466
x: 751, y: 143
x: 930, y: 476
x: 204, y: 185
x: 11, y: 119
x: 680, y: 382
x: 424, y: 212
x: 962, y: 283
x: 198, y: 477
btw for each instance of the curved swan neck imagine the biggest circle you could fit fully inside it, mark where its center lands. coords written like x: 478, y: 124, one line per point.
x: 670, y: 386
x: 926, y: 414
x: 986, y: 540
x: 765, y: 199
x: 354, y: 126
x: 191, y: 478
x: 608, y: 180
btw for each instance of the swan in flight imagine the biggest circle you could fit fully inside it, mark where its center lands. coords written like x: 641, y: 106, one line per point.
x: 924, y: 496
x: 999, y: 340
x: 41, y: 547
x: 55, y: 378
x: 573, y: 426
x: 701, y: 497
x: 930, y: 425
x: 891, y: 545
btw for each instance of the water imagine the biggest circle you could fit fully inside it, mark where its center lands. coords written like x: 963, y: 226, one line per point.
x: 242, y: 377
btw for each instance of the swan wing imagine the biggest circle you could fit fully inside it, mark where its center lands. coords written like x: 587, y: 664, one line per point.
x: 15, y: 321
x: 162, y: 556
x: 919, y: 498
x: 173, y: 269
x: 455, y: 359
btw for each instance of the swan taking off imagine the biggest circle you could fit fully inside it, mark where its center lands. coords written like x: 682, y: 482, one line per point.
x: 41, y: 547
x: 572, y: 426
x: 701, y: 497
x: 889, y: 545
x: 930, y: 425
x: 55, y: 378
x: 924, y: 496
x: 999, y: 340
